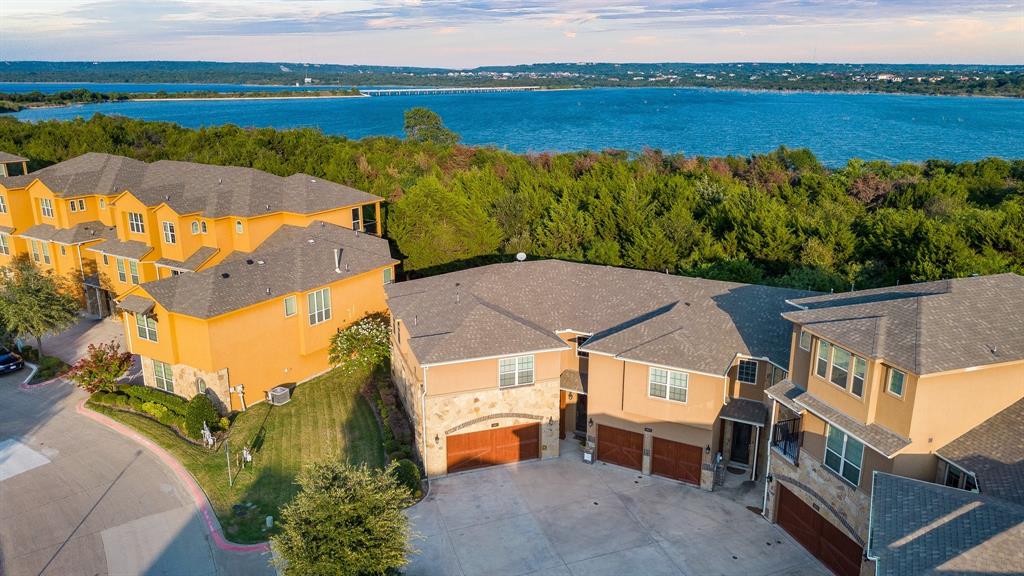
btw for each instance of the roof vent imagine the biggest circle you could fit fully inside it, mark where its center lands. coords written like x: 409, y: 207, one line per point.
x: 268, y: 206
x: 219, y: 181
x: 249, y: 261
x: 225, y: 275
x: 268, y: 291
x: 260, y: 262
x: 313, y: 180
x: 311, y: 240
x: 337, y: 260
x: 167, y: 196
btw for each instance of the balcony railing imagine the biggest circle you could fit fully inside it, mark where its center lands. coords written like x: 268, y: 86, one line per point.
x: 786, y: 438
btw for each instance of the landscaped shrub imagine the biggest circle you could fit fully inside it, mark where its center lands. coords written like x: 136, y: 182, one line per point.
x: 155, y: 410
x: 100, y: 397
x: 391, y: 445
x: 398, y: 455
x: 173, y: 403
x: 408, y: 474
x: 200, y: 409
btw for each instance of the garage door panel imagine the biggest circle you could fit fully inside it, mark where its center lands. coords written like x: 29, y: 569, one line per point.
x: 677, y: 460
x: 837, y: 551
x: 493, y: 446
x: 621, y: 447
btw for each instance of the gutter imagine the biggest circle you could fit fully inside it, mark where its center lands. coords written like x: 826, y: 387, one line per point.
x: 423, y: 416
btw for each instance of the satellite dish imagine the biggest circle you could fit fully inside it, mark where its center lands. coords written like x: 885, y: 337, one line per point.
x: 521, y: 256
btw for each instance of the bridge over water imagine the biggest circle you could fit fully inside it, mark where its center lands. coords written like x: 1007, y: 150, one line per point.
x: 452, y: 90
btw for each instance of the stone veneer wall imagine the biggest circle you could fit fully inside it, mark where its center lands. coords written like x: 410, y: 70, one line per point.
x: 478, y: 410
x: 842, y: 505
x: 186, y: 383
x: 409, y: 389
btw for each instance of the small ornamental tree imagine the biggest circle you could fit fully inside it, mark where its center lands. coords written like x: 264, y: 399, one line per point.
x: 200, y: 409
x: 101, y: 367
x: 345, y: 520
x: 363, y: 345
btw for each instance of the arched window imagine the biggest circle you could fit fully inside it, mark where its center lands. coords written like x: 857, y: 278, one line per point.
x: 195, y: 227
x: 238, y: 227
x: 201, y: 385
x: 203, y: 224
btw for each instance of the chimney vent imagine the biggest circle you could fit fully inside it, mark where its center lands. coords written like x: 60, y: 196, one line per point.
x: 268, y: 291
x: 225, y: 275
x: 337, y: 260
x: 249, y: 261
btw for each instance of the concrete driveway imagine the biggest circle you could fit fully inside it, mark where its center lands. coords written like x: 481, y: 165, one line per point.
x: 78, y: 498
x: 565, y: 517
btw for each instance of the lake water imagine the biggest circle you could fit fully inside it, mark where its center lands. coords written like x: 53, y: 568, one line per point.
x: 836, y: 127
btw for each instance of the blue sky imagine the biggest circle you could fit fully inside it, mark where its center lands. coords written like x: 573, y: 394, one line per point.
x: 480, y: 32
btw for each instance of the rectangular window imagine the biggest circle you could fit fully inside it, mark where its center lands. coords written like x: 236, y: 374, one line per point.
x: 319, y: 306
x: 63, y: 251
x: 35, y: 250
x: 146, y: 326
x: 805, y: 340
x: 747, y: 372
x: 957, y: 477
x: 164, y: 376
x: 388, y: 276
x: 844, y: 454
x: 135, y: 223
x: 44, y: 247
x: 5, y: 248
x: 81, y: 205
x: 73, y: 205
x: 106, y: 261
x: 896, y: 382
x: 289, y: 306
x: 824, y: 353
x: 46, y: 206
x: 3, y: 205
x: 170, y: 237
x: 355, y: 219
x: 860, y: 371
x: 120, y: 270
x: 133, y: 270
x: 515, y: 371
x: 840, y: 366
x: 103, y: 203
x: 667, y: 384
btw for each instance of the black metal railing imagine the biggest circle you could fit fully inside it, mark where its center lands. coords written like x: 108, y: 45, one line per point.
x: 786, y: 438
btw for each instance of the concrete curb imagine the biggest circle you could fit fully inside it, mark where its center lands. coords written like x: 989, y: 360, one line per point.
x: 25, y: 383
x: 198, y: 496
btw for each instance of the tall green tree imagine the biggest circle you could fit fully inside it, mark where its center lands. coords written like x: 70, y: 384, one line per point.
x: 35, y: 303
x: 345, y: 521
x: 425, y: 125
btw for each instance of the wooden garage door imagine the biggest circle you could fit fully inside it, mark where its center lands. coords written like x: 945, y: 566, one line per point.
x: 676, y: 460
x: 827, y: 543
x: 493, y: 446
x: 622, y: 447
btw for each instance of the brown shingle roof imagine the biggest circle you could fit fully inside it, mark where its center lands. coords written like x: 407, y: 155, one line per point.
x: 502, y: 309
x: 994, y: 452
x: 880, y: 439
x: 928, y: 327
x: 6, y: 230
x: 193, y: 262
x: 7, y: 157
x: 920, y: 528
x: 136, y: 304
x: 79, y: 234
x: 292, y: 259
x: 745, y: 410
x: 189, y: 187
x: 132, y: 249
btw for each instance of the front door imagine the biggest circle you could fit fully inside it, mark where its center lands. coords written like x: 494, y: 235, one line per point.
x: 740, y: 443
x: 581, y: 413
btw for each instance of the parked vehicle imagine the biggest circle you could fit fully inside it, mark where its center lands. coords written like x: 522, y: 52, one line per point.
x: 9, y: 361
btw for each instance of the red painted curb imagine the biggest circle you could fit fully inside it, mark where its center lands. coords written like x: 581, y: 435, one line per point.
x: 198, y: 496
x: 27, y: 387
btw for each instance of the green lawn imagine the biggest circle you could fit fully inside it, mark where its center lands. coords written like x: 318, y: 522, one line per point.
x: 327, y: 417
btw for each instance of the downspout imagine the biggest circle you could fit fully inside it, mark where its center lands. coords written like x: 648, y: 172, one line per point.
x: 768, y: 463
x: 423, y: 416
x: 757, y: 445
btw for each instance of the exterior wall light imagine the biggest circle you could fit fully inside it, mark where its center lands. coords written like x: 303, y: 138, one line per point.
x: 437, y: 439
x: 590, y: 422
x: 707, y: 449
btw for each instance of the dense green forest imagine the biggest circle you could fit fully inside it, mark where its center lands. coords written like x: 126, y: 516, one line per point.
x: 779, y: 218
x: 935, y: 79
x: 15, y: 101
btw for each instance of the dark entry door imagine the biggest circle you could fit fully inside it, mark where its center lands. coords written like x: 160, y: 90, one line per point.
x: 581, y: 413
x: 740, y: 443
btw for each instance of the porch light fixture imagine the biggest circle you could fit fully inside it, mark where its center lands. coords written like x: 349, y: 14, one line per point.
x: 570, y: 395
x: 590, y: 422
x: 437, y: 439
x: 707, y: 449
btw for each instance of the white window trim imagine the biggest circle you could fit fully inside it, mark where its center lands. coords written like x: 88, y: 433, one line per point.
x: 133, y: 271
x: 140, y: 224
x: 5, y: 247
x: 849, y: 372
x: 325, y: 312
x: 800, y: 340
x: 142, y: 328
x: 157, y: 378
x: 756, y: 369
x: 842, y: 457
x: 122, y: 270
x: 195, y: 227
x: 81, y: 204
x: 668, y: 385
x: 517, y: 370
x: 295, y: 306
x: 46, y: 207
x: 3, y: 204
x: 239, y: 227
x: 888, y: 382
x: 170, y: 232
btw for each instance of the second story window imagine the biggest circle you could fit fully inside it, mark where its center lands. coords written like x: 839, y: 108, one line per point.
x: 121, y: 275
x: 133, y: 270
x: 515, y: 371
x: 841, y: 367
x: 289, y: 306
x: 746, y: 372
x: 81, y: 204
x: 5, y: 247
x: 895, y: 382
x: 135, y: 223
x: 103, y: 203
x: 146, y: 327
x: 805, y: 340
x: 239, y: 228
x: 46, y: 207
x: 3, y: 204
x: 667, y: 384
x: 821, y: 363
x: 844, y: 454
x: 195, y: 227
x: 40, y: 251
x: 73, y: 205
x: 389, y: 275
x: 170, y: 236
x: 355, y: 219
x: 319, y: 306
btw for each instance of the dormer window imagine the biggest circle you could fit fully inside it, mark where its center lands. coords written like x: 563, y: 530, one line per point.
x: 46, y: 207
x: 170, y: 235
x: 895, y: 382
x: 195, y: 227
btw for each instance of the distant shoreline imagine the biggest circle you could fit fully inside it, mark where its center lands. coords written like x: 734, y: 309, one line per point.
x: 268, y: 97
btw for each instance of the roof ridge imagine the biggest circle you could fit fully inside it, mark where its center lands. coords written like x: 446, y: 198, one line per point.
x: 918, y: 340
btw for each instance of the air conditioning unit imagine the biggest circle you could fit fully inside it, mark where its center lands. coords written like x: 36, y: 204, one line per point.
x: 280, y: 395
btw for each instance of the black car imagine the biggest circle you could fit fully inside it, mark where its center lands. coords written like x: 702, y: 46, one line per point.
x: 9, y: 361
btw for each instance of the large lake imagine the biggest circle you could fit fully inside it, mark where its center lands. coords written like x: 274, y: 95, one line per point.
x: 836, y: 127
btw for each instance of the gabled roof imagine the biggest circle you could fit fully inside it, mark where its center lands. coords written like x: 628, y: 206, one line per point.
x: 919, y: 528
x: 293, y: 259
x: 928, y: 327
x: 131, y: 249
x: 649, y: 317
x: 189, y: 187
x: 78, y: 234
x: 994, y: 452
x: 7, y: 158
x: 193, y: 262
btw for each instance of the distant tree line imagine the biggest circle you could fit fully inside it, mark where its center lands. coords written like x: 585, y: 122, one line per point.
x: 936, y: 79
x: 15, y: 101
x: 778, y: 218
